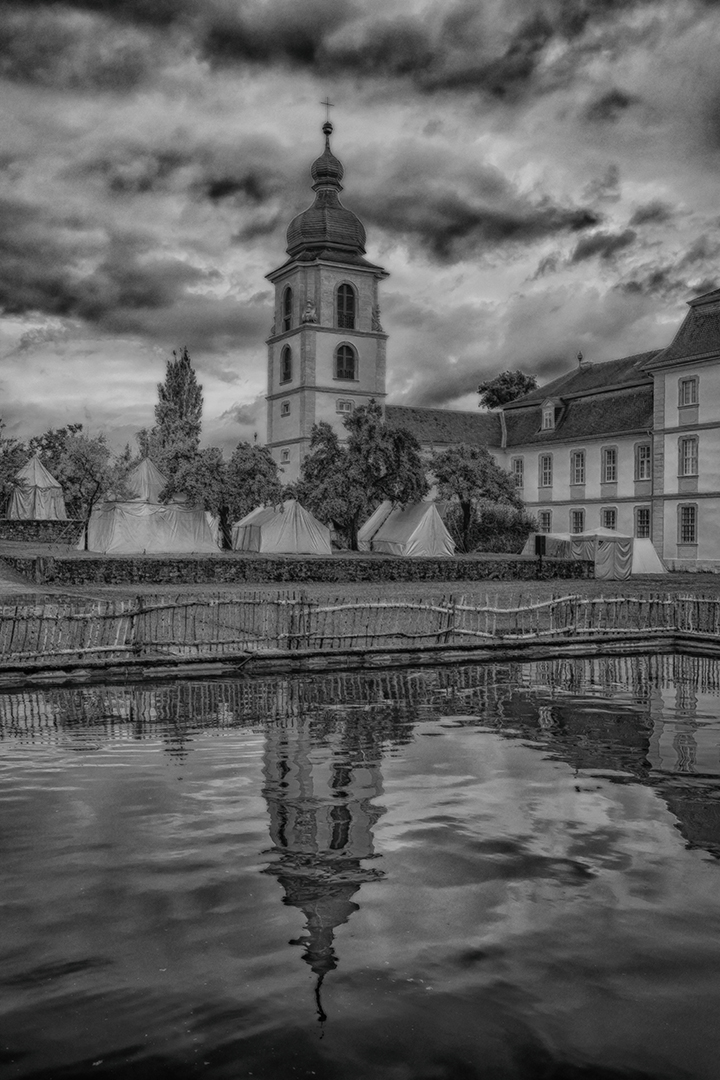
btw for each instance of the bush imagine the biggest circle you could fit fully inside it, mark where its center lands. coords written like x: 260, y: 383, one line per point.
x: 498, y: 528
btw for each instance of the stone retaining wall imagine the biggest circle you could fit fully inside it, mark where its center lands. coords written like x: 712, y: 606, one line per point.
x: 40, y: 532
x: 230, y: 568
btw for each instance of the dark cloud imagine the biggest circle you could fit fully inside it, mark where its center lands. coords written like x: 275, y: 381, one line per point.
x: 453, y: 213
x: 609, y: 106
x: 248, y: 173
x: 131, y: 289
x: 655, y: 212
x: 115, y: 44
x: 603, y: 244
x: 660, y: 281
x: 61, y: 49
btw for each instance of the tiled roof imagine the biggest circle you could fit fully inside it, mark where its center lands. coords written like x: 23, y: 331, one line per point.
x: 590, y: 378
x: 441, y: 427
x: 612, y: 413
x: 699, y: 333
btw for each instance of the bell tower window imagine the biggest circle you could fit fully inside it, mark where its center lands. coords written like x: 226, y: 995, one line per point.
x: 346, y: 307
x: 287, y: 309
x: 286, y: 365
x: 346, y: 363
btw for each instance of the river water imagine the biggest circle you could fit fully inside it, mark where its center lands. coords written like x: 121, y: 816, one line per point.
x: 439, y: 874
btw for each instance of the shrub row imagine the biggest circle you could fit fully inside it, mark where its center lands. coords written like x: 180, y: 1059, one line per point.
x: 41, y: 532
x: 269, y: 569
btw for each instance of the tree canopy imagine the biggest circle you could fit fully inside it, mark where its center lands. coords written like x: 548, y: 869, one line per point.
x: 469, y: 478
x: 505, y: 387
x: 174, y: 440
x: 344, y: 483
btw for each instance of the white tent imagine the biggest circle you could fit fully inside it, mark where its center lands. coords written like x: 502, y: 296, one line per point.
x: 373, y: 523
x: 145, y: 482
x: 415, y: 530
x: 645, y: 558
x: 38, y: 496
x: 615, y: 555
x: 285, y: 530
x: 142, y: 525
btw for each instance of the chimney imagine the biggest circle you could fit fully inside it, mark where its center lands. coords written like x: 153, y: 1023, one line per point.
x: 583, y: 364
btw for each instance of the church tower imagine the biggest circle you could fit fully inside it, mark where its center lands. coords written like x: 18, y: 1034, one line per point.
x: 326, y: 350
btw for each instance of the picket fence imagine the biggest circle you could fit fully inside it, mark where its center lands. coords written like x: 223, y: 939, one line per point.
x: 70, y: 630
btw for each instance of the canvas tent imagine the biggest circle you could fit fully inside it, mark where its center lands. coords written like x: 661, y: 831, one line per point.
x: 415, y: 530
x: 37, y: 496
x: 142, y: 525
x: 373, y: 523
x: 284, y: 530
x: 615, y: 555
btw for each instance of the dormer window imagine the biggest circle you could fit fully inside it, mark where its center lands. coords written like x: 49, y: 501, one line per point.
x: 548, y: 417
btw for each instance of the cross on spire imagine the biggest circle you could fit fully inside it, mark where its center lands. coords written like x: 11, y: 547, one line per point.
x: 328, y: 106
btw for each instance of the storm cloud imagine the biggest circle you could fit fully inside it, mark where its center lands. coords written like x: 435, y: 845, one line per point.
x: 538, y: 177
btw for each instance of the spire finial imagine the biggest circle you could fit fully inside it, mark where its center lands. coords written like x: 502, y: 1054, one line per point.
x: 327, y: 127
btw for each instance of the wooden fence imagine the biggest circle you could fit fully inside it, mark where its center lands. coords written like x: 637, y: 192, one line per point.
x: 72, y: 631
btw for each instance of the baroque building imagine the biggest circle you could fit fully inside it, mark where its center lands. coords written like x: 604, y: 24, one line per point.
x: 631, y: 444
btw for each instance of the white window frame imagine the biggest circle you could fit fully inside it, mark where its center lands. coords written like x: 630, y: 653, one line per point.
x: 577, y: 468
x: 643, y: 462
x: 517, y: 467
x: 544, y: 471
x: 544, y: 515
x: 609, y: 465
x: 580, y: 513
x: 344, y: 406
x: 548, y: 418
x: 688, y: 391
x: 688, y: 455
x: 608, y: 510
x: 690, y: 523
x: 285, y: 408
x: 284, y: 457
x: 643, y: 535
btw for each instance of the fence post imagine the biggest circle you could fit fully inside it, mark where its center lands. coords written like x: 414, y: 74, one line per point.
x: 136, y: 626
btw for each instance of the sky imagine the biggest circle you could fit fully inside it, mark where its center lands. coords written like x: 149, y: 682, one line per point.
x: 539, y: 177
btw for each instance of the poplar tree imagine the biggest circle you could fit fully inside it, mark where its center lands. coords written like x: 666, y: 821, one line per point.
x: 178, y: 413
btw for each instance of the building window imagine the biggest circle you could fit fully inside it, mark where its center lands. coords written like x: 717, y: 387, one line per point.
x: 688, y: 456
x: 548, y: 418
x: 287, y: 309
x: 545, y: 521
x: 577, y: 521
x: 286, y: 364
x: 577, y: 467
x: 688, y: 391
x: 346, y: 307
x: 608, y: 517
x: 643, y: 462
x: 344, y: 406
x: 609, y: 466
x: 687, y: 524
x: 545, y: 470
x: 284, y: 457
x: 517, y: 468
x: 285, y: 408
x: 642, y: 522
x: 345, y: 362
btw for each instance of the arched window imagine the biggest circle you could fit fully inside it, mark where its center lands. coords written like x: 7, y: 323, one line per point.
x: 286, y: 364
x: 287, y: 309
x: 345, y: 362
x: 346, y: 307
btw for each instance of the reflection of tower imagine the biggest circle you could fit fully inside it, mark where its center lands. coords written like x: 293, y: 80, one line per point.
x: 320, y: 789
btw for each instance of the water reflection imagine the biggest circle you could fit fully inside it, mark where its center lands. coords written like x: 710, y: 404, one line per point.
x: 486, y: 870
x: 321, y: 791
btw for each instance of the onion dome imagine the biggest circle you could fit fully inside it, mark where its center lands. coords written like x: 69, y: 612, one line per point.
x: 327, y: 223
